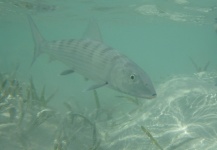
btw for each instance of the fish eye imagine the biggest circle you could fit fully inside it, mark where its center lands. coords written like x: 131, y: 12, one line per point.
x: 132, y: 76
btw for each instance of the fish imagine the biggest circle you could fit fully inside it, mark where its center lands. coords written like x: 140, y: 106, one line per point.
x: 93, y: 59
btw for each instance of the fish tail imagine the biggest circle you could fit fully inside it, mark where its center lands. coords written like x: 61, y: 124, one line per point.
x: 38, y: 39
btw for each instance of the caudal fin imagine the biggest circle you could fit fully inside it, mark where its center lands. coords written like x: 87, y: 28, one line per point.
x: 38, y: 39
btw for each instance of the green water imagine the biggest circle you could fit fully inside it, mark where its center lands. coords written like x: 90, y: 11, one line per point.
x: 160, y: 36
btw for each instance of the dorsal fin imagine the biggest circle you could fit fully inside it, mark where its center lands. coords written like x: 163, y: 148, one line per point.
x: 93, y: 32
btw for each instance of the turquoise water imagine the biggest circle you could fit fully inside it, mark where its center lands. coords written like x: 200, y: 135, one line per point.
x: 163, y: 37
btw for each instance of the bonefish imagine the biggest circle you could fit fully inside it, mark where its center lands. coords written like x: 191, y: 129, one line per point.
x: 95, y: 60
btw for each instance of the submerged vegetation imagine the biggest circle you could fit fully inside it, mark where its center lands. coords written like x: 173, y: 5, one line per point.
x: 151, y: 137
x: 22, y: 109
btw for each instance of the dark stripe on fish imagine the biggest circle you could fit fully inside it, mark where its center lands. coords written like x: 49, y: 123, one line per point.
x: 69, y: 42
x: 60, y: 44
x: 105, y: 50
x: 95, y: 48
x: 115, y: 58
x: 86, y: 44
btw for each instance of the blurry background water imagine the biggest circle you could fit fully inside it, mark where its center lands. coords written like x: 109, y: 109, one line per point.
x: 169, y: 39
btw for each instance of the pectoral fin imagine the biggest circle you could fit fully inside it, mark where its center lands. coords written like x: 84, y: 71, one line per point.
x: 96, y: 86
x: 66, y: 72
